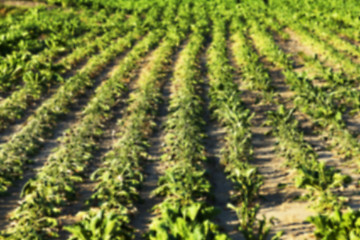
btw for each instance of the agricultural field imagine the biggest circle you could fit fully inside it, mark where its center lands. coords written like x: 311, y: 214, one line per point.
x: 179, y: 119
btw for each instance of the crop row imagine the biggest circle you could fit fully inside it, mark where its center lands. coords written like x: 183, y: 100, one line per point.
x: 184, y: 212
x: 28, y: 140
x: 316, y: 103
x: 36, y: 83
x: 19, y: 63
x: 120, y: 177
x: 54, y: 184
x: 229, y: 109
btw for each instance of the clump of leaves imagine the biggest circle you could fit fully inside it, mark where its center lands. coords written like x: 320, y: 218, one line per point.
x: 337, y: 225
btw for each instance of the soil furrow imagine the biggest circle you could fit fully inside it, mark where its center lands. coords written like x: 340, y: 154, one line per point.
x: 69, y: 214
x: 154, y: 168
x: 17, y: 3
x: 221, y: 186
x: 31, y: 108
x: 11, y: 200
x: 278, y: 191
x: 292, y: 46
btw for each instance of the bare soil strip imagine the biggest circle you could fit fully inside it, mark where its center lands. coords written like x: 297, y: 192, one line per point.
x: 16, y: 3
x: 69, y: 214
x: 30, y: 110
x: 11, y: 201
x: 221, y: 186
x: 154, y: 168
x: 278, y: 191
x: 352, y: 41
x: 292, y: 46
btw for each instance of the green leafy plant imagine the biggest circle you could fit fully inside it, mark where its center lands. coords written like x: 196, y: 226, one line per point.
x: 99, y: 224
x: 337, y: 225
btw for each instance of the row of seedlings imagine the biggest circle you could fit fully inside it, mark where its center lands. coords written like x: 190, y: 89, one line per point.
x: 55, y: 183
x: 331, y: 220
x: 17, y: 64
x: 230, y: 111
x: 14, y: 64
x: 327, y: 104
x: 95, y: 23
x: 184, y: 212
x: 315, y: 176
x: 36, y: 83
x: 318, y: 103
x: 327, y: 15
x: 319, y: 179
x: 315, y: 98
x: 120, y: 177
x: 253, y: 73
x: 343, y: 88
x: 340, y: 23
x: 27, y: 142
x: 322, y: 47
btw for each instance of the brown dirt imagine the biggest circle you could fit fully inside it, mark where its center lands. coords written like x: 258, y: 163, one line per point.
x: 68, y: 120
x: 70, y: 213
x: 16, y: 126
x: 154, y: 167
x: 352, y: 41
x: 221, y: 187
x: 16, y: 3
x: 298, y: 46
x: 353, y: 123
x: 280, y: 203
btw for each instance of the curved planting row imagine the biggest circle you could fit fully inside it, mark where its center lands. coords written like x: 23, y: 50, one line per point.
x: 321, y: 47
x: 312, y: 175
x: 343, y: 88
x: 333, y: 220
x: 340, y: 18
x: 325, y: 104
x: 54, y: 185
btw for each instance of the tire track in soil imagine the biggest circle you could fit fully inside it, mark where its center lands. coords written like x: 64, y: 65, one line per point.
x: 352, y: 191
x: 221, y: 187
x: 276, y: 202
x: 154, y: 167
x: 10, y: 201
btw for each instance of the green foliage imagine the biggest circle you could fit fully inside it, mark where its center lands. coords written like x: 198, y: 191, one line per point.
x: 101, y: 225
x: 184, y: 220
x: 338, y: 225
